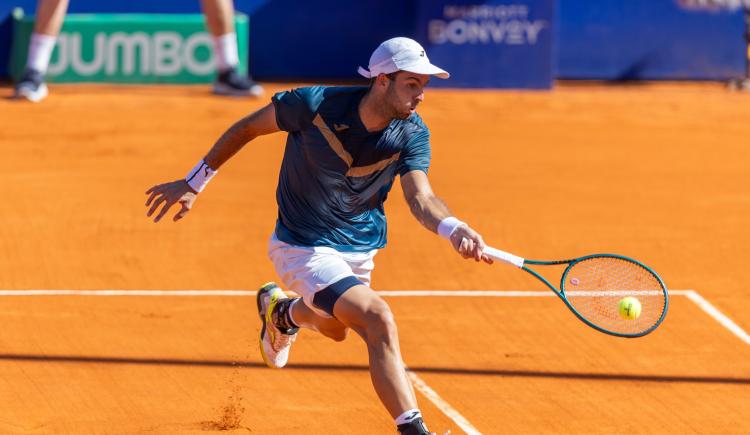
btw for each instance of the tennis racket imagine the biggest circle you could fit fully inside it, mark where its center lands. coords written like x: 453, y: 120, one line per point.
x: 593, y: 286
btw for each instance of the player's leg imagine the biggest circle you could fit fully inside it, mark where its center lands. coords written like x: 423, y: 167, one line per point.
x: 362, y: 310
x: 220, y: 22
x: 292, y: 313
x: 336, y: 296
x: 48, y: 21
x: 304, y: 317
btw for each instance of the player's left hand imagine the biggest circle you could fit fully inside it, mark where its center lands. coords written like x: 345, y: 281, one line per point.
x: 469, y: 244
x: 169, y: 194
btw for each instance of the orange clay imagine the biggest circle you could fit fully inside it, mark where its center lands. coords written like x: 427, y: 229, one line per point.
x: 655, y: 172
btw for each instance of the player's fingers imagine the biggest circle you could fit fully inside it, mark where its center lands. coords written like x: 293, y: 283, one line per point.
x: 183, y: 211
x: 155, y: 205
x: 477, y: 250
x: 480, y: 246
x: 468, y: 248
x: 487, y: 259
x: 164, y: 210
x: 151, y: 197
x: 462, y: 247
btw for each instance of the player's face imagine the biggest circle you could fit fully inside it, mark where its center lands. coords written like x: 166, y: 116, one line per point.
x: 405, y: 92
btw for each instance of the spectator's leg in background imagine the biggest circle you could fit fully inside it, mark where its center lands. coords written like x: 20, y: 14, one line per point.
x: 47, y: 23
x: 220, y: 22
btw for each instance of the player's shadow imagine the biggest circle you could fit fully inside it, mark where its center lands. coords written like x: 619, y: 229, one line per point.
x: 363, y: 368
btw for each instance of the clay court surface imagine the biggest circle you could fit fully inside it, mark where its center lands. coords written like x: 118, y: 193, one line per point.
x: 656, y: 172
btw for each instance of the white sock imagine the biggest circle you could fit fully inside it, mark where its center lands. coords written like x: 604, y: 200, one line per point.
x: 226, y: 52
x: 408, y: 416
x: 40, y: 51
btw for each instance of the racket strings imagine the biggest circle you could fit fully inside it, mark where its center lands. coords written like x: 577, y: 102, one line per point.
x: 595, y: 287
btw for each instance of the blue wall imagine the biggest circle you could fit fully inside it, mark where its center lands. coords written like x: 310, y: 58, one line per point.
x: 323, y: 38
x: 596, y: 39
x: 648, y: 39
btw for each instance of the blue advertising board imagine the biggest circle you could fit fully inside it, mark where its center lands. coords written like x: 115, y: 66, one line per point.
x: 650, y: 39
x: 523, y: 43
x: 490, y: 44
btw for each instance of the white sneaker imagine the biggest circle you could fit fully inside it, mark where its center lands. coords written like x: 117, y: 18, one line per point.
x: 274, y: 344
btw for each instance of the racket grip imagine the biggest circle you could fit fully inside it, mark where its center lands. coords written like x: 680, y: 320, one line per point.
x: 506, y: 257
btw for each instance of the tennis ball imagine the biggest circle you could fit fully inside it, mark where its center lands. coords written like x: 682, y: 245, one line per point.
x: 629, y: 307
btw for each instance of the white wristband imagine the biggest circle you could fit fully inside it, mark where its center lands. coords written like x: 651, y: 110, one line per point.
x: 447, y: 226
x: 199, y: 176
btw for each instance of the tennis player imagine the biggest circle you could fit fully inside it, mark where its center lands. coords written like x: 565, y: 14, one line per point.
x: 344, y: 148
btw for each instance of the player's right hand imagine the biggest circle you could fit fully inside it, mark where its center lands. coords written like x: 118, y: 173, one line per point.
x: 169, y: 194
x: 469, y: 244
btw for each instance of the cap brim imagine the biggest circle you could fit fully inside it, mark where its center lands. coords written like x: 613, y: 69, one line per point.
x: 428, y: 69
x: 364, y: 73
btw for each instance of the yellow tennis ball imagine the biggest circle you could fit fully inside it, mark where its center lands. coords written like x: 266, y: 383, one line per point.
x: 629, y: 307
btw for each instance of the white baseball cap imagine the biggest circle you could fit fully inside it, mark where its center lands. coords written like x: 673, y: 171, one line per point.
x: 401, y: 54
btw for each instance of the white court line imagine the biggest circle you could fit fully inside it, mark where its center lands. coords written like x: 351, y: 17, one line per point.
x: 441, y: 404
x: 718, y: 316
x: 388, y: 293
x: 419, y: 384
x: 127, y: 293
x: 691, y: 294
x: 496, y: 293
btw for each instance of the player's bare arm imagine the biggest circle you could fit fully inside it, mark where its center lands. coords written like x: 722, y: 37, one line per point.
x: 430, y: 210
x: 180, y: 192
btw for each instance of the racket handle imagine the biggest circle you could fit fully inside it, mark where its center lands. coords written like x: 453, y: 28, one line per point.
x: 506, y: 257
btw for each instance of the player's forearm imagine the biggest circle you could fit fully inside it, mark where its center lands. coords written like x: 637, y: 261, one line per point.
x: 230, y: 143
x: 243, y: 131
x: 429, y: 210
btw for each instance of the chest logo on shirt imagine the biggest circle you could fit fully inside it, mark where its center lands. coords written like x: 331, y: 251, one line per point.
x: 338, y: 148
x: 340, y: 127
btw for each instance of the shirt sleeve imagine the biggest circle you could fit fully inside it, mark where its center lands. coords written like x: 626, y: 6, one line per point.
x: 293, y: 111
x: 416, y: 154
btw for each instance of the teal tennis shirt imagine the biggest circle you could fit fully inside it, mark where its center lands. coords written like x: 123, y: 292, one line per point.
x: 335, y: 175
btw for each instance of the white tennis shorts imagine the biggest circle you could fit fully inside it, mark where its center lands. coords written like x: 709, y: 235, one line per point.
x: 308, y: 270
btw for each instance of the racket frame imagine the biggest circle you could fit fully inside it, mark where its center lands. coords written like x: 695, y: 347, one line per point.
x: 560, y: 292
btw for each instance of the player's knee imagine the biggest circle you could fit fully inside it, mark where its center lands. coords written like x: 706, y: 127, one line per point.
x: 381, y: 325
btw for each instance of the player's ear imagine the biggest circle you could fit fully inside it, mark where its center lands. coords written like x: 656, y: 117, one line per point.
x: 383, y: 80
